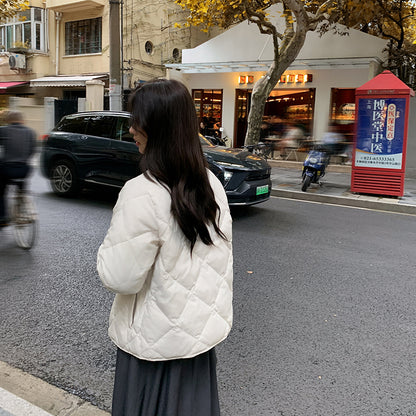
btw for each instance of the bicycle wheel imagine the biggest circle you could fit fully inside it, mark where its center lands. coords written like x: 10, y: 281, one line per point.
x: 25, y: 223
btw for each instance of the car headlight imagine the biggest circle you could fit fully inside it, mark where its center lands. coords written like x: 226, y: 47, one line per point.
x: 227, y: 176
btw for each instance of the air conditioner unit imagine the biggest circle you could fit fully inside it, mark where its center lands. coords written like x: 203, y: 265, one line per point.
x: 17, y: 61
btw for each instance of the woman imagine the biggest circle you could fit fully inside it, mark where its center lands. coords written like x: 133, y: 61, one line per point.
x: 168, y: 257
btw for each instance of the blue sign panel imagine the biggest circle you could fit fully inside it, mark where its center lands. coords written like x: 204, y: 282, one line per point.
x: 380, y: 133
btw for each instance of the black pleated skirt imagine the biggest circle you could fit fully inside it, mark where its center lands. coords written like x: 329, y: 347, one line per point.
x: 183, y: 387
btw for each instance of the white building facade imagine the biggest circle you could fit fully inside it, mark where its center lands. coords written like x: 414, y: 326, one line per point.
x: 317, y: 88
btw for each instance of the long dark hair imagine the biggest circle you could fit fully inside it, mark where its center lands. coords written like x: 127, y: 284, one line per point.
x: 165, y: 111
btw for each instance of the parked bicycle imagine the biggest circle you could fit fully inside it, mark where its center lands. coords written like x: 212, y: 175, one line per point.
x: 261, y: 149
x: 23, y: 217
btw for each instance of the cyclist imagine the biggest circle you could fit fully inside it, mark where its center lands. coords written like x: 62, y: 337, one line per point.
x: 17, y: 144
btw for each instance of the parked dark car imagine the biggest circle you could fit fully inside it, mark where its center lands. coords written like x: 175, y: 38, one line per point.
x: 95, y: 148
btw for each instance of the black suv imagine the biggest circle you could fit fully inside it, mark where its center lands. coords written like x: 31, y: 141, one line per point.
x: 96, y: 148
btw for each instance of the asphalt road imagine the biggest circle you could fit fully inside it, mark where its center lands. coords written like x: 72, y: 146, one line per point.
x: 325, y: 318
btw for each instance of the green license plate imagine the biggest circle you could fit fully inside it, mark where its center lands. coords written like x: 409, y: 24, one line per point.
x: 260, y: 190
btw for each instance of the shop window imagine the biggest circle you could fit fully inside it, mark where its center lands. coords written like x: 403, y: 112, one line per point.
x: 83, y: 36
x: 343, y: 110
x: 26, y: 30
x: 283, y: 108
x: 287, y: 108
x: 290, y: 107
x: 208, y: 105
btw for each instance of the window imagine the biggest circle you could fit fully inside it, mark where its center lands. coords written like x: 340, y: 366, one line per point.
x: 101, y: 126
x: 72, y: 124
x: 27, y: 29
x: 343, y: 110
x: 122, y: 130
x: 148, y: 47
x: 83, y: 36
x: 208, y: 105
x: 176, y: 54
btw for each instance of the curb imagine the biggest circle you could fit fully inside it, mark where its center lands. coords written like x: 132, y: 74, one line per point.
x: 347, y: 201
x: 298, y: 165
x: 30, y: 391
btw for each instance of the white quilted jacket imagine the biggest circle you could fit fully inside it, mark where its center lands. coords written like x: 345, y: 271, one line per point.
x: 168, y: 304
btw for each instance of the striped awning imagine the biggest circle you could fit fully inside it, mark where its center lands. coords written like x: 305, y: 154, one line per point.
x: 65, y: 81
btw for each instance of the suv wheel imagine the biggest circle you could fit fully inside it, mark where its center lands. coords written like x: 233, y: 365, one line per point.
x: 63, y: 178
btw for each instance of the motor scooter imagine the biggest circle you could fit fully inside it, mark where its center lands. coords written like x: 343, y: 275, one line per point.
x: 314, y: 166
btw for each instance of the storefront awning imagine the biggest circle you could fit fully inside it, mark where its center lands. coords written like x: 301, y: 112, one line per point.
x: 328, y: 63
x: 64, y: 81
x: 11, y: 84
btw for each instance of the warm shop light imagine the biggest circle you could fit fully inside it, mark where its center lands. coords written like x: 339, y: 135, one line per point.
x: 245, y: 79
x: 285, y: 78
x: 307, y: 78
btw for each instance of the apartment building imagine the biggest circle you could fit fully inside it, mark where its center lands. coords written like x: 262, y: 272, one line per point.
x: 53, y: 49
x: 151, y: 38
x: 61, y: 49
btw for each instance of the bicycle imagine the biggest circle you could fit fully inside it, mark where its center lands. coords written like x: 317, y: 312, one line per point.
x: 23, y: 216
x: 261, y: 149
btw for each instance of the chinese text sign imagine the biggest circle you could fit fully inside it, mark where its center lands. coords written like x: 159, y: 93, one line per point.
x: 380, y: 132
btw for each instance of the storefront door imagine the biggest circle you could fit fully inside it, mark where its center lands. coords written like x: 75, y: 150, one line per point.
x: 242, y: 107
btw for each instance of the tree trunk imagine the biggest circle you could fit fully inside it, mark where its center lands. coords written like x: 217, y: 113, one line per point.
x: 283, y: 57
x: 261, y: 91
x: 265, y: 85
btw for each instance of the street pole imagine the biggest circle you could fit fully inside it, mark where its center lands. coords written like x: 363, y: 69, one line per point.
x: 115, y: 84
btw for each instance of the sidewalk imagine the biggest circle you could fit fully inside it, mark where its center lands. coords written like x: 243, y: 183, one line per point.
x: 22, y: 394
x: 335, y: 189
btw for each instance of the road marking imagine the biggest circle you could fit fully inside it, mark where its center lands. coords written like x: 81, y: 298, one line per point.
x: 11, y: 405
x: 336, y: 204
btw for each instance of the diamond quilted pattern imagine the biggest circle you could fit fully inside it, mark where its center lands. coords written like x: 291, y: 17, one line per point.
x: 169, y: 303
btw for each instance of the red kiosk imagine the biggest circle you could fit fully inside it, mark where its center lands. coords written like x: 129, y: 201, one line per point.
x: 379, y: 160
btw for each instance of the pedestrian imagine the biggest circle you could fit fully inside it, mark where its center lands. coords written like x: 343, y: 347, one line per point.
x: 168, y: 257
x: 17, y: 145
x: 332, y: 140
x: 292, y: 138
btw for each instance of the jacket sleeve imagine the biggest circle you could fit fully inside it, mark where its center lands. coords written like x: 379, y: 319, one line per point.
x: 126, y: 257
